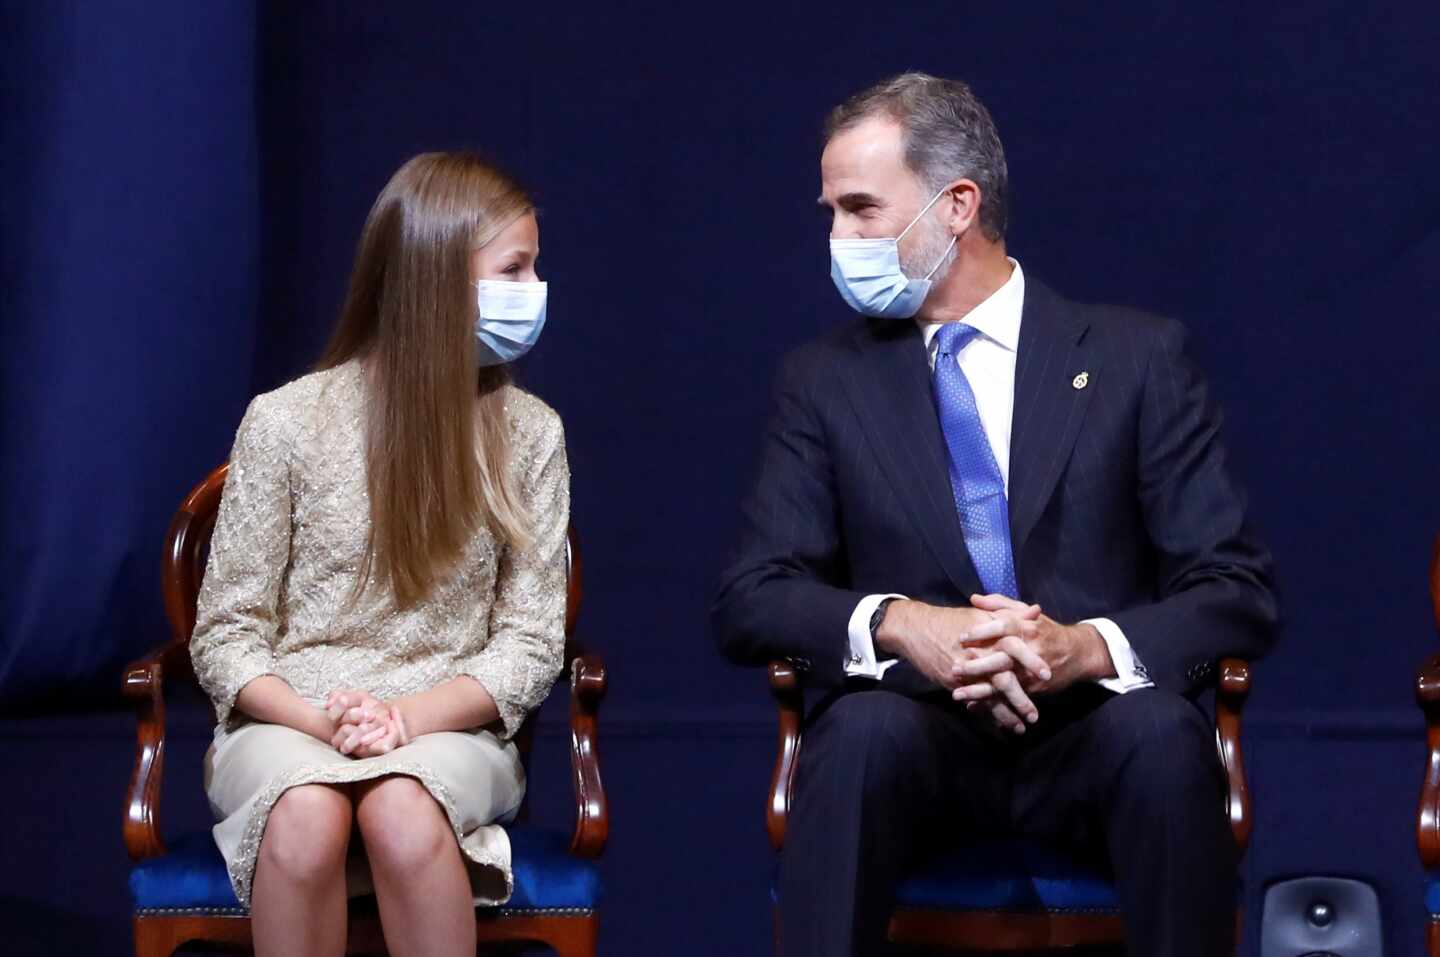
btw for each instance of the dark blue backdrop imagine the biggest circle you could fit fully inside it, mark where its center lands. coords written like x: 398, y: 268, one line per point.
x: 183, y: 185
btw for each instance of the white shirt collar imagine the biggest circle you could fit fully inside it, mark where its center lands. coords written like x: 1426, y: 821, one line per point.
x: 997, y: 318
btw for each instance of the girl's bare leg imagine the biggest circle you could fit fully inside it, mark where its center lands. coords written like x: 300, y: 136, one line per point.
x: 298, y: 898
x: 426, y: 906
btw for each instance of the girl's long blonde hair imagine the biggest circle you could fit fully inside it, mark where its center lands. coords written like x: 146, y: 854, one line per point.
x: 437, y: 439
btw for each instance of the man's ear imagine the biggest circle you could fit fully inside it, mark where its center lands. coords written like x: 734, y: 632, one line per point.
x: 964, y: 211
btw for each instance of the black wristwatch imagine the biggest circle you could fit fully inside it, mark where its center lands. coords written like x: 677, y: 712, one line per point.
x: 878, y: 616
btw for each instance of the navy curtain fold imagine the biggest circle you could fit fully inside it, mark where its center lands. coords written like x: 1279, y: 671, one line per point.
x: 130, y: 238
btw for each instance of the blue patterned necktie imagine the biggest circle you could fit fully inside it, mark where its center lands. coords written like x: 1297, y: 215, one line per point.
x: 974, y: 475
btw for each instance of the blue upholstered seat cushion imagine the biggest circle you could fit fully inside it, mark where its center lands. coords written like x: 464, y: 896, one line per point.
x: 547, y: 875
x: 1432, y: 897
x: 192, y: 876
x: 1014, y: 875
x: 1010, y: 875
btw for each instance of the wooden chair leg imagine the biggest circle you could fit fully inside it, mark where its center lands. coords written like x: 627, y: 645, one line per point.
x: 153, y: 938
x: 568, y: 936
x: 575, y: 938
x: 1432, y: 938
x: 158, y: 936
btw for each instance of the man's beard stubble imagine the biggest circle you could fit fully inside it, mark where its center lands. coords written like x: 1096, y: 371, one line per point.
x: 930, y: 246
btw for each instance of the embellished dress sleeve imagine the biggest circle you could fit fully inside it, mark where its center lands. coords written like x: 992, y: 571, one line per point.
x: 525, y: 651
x: 236, y: 618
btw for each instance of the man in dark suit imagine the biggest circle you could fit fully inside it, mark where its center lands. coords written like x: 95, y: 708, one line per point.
x: 998, y: 529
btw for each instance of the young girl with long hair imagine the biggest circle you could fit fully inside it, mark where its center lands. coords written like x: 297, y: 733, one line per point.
x: 385, y: 596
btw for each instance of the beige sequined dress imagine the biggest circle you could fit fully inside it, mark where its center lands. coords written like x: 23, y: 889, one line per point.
x: 289, y: 538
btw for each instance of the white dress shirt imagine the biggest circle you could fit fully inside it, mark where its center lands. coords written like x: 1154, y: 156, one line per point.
x: 988, y: 361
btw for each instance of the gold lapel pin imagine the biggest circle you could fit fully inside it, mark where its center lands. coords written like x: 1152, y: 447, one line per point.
x: 1081, y: 380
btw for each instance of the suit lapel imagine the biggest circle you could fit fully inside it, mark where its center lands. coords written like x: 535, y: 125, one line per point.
x: 892, y: 397
x: 1048, y: 406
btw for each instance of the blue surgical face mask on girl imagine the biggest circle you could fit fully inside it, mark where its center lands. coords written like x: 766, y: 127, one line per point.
x: 509, y: 319
x: 868, y: 275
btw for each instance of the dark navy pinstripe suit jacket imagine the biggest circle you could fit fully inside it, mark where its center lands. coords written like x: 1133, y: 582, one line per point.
x: 1121, y: 501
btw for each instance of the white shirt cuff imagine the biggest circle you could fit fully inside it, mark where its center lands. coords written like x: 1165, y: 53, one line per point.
x: 1130, y: 673
x: 861, y: 663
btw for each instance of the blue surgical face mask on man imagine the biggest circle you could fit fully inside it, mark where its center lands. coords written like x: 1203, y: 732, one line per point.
x: 509, y: 319
x: 868, y: 275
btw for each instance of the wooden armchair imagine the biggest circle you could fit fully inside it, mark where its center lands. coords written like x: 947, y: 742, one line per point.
x: 1045, y: 901
x: 182, y: 893
x: 1427, y: 694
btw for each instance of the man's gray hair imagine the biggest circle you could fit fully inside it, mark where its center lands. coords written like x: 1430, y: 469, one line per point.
x: 947, y: 135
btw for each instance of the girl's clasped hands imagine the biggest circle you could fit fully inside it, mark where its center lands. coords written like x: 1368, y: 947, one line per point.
x: 365, y: 726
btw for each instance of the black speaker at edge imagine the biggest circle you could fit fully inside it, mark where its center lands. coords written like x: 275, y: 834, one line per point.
x: 1320, y: 917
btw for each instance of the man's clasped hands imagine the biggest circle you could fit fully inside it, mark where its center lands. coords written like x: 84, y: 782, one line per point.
x: 996, y: 654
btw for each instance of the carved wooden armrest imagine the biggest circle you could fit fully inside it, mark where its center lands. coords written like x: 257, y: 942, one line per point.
x: 592, y: 813
x: 1427, y: 695
x: 1230, y: 694
x: 785, y: 688
x: 144, y: 686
